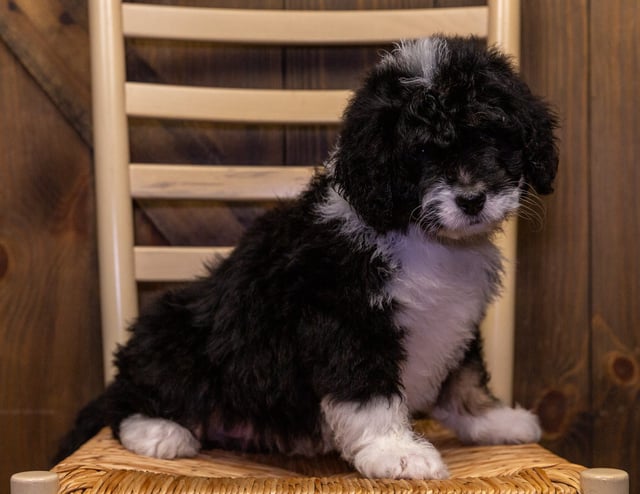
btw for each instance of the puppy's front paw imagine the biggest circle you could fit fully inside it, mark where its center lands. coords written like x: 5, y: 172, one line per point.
x: 400, y: 458
x: 503, y: 425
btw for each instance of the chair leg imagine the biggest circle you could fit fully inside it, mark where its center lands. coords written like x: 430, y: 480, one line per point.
x: 35, y: 482
x: 604, y: 481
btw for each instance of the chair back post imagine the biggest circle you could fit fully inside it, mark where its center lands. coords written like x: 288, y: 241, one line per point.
x: 111, y: 157
x: 498, y: 327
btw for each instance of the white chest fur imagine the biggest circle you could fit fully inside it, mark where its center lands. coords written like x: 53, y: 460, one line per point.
x: 440, y: 293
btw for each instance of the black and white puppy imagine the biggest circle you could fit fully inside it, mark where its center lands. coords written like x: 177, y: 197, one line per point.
x: 344, y: 312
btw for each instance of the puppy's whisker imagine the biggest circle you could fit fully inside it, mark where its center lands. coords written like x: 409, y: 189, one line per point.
x: 427, y: 219
x: 416, y: 214
x: 531, y: 217
x: 532, y: 209
x: 529, y: 213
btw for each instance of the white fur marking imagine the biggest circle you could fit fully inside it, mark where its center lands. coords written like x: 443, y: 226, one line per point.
x: 441, y: 292
x: 157, y: 437
x: 440, y: 204
x: 336, y: 207
x: 503, y: 425
x: 330, y: 163
x: 420, y: 57
x: 377, y: 439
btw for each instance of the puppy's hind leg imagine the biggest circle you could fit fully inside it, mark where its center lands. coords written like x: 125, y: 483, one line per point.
x: 467, y: 406
x: 157, y: 437
x: 376, y: 437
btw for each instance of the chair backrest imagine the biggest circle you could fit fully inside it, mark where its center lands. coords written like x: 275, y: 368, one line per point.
x: 118, y: 181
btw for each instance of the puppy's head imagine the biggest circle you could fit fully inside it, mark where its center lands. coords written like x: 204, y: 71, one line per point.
x: 443, y: 134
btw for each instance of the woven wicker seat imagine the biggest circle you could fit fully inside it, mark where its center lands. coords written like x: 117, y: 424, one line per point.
x: 103, y: 466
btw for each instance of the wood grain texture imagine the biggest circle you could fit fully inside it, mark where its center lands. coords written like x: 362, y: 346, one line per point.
x: 552, y: 337
x: 176, y: 264
x: 49, y: 325
x: 236, y: 105
x: 232, y: 183
x: 615, y: 234
x: 52, y: 47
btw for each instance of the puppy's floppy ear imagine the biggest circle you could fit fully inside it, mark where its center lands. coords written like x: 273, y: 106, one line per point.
x: 365, y: 171
x: 540, y: 151
x: 530, y: 119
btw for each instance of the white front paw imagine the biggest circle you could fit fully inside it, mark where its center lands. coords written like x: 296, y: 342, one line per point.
x: 400, y: 458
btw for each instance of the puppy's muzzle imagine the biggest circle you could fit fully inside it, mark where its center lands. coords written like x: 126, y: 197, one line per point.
x: 471, y: 204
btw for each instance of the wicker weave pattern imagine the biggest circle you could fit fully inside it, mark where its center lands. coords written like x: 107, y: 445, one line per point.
x: 102, y: 466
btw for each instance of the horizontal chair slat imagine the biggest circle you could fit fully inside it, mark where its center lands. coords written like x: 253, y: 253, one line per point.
x: 225, y: 183
x: 298, y: 26
x: 174, y: 263
x: 230, y: 105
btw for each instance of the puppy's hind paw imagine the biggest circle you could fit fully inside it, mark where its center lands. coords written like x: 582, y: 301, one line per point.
x: 400, y: 459
x: 157, y: 437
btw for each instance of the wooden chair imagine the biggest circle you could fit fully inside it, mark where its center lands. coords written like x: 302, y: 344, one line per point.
x: 102, y: 465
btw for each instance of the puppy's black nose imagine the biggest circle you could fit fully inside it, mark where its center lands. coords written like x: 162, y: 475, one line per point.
x: 471, y: 204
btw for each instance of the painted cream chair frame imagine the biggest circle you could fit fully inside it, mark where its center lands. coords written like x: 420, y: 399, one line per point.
x: 118, y: 181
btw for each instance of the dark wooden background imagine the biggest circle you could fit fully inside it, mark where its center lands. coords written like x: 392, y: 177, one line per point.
x: 578, y: 341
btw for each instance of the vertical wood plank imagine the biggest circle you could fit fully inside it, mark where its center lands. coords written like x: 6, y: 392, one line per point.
x: 552, y: 313
x: 615, y: 255
x: 49, y: 326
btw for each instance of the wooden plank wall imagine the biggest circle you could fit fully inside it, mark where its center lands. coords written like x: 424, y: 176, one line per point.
x: 579, y: 278
x: 615, y: 232
x: 49, y: 329
x: 578, y: 275
x: 553, y: 337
